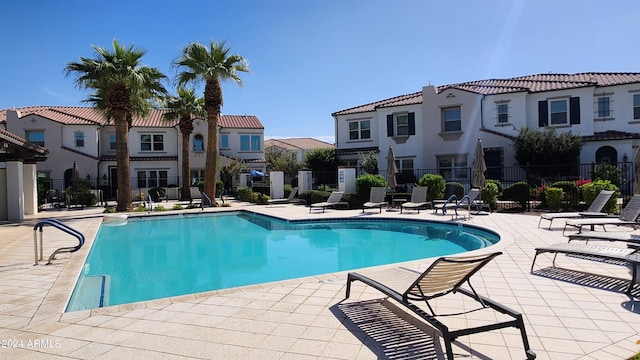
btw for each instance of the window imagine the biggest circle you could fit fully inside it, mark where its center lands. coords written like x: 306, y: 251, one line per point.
x: 112, y: 141
x: 636, y: 106
x: 403, y: 124
x: 250, y: 143
x: 152, y: 178
x: 198, y: 143
x: 224, y: 141
x: 405, y: 171
x: 558, y: 112
x: 151, y: 142
x: 79, y: 137
x: 452, y: 119
x: 35, y: 137
x: 604, y: 106
x: 453, y: 167
x: 359, y: 130
x: 503, y: 113
x: 196, y: 177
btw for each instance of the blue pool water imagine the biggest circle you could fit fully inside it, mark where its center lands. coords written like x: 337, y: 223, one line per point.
x: 156, y: 257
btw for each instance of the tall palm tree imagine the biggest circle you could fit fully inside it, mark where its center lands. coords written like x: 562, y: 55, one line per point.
x: 122, y: 88
x: 210, y: 64
x: 184, y: 107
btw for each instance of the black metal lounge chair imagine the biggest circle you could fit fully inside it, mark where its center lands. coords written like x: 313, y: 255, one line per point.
x: 628, y: 216
x: 594, y: 210
x: 626, y: 256
x: 376, y: 199
x: 446, y: 275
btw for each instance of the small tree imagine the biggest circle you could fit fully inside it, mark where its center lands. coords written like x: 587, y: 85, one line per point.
x: 537, y: 150
x: 369, y: 162
x: 278, y: 159
x: 321, y: 159
x: 231, y: 169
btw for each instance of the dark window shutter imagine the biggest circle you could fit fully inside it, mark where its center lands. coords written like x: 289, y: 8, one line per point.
x: 574, y: 110
x: 389, y: 125
x: 412, y: 123
x: 543, y: 113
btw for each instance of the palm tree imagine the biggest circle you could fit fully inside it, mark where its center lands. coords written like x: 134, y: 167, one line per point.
x: 184, y: 107
x: 211, y: 65
x: 122, y: 87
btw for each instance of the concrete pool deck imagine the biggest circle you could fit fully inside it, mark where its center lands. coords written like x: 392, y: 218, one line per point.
x: 576, y: 311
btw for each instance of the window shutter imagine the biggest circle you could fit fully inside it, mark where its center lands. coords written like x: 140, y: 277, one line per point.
x: 412, y: 123
x: 389, y: 125
x: 543, y: 113
x: 574, y: 110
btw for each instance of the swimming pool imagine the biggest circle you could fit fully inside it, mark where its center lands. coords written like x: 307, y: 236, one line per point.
x: 156, y: 257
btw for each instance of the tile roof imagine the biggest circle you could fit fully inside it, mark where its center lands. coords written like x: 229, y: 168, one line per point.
x: 297, y: 143
x: 74, y: 115
x: 529, y: 83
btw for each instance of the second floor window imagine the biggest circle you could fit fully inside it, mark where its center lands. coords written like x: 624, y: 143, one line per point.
x: 604, y: 106
x: 636, y: 107
x: 224, y: 141
x: 112, y: 141
x: 79, y: 138
x: 402, y: 124
x: 359, y: 129
x: 198, y: 143
x: 503, y: 113
x: 452, y: 119
x: 35, y: 137
x: 151, y: 142
x: 558, y: 112
x: 250, y: 143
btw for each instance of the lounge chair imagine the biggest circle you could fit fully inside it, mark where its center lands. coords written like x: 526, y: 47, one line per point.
x: 594, y: 210
x: 628, y: 216
x: 451, y: 203
x: 633, y: 239
x: 446, y: 275
x: 286, y: 200
x: 626, y: 256
x: 332, y: 201
x: 418, y: 199
x: 376, y: 199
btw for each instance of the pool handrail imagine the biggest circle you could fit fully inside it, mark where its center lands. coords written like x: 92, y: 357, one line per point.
x: 60, y: 226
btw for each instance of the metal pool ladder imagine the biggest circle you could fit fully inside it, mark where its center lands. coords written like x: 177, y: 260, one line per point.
x: 37, y: 239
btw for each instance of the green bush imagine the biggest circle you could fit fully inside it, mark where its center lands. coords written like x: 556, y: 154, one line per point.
x: 365, y: 182
x: 607, y: 171
x: 435, y: 186
x: 592, y: 189
x: 489, y: 195
x: 244, y: 193
x: 570, y: 192
x: 519, y: 192
x: 259, y: 198
x: 498, y: 184
x: 453, y: 188
x: 554, y: 197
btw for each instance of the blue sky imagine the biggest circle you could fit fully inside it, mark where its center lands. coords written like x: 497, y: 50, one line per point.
x: 309, y: 58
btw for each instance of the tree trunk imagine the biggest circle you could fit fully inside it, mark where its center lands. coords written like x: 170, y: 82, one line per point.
x: 213, y: 104
x: 122, y: 161
x: 186, y: 183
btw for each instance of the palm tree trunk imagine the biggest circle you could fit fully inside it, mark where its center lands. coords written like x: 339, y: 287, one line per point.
x: 186, y: 184
x: 122, y: 161
x: 213, y: 104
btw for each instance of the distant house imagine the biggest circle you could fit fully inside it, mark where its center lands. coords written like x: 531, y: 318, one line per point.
x: 437, y: 128
x: 84, y: 135
x: 299, y: 146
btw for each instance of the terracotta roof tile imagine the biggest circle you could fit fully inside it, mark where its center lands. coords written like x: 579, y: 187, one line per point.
x: 297, y: 143
x: 87, y: 115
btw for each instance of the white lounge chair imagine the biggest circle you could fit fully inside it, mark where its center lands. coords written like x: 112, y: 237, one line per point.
x: 286, y: 200
x: 594, y: 210
x: 628, y: 216
x: 376, y: 198
x: 418, y: 199
x: 332, y: 201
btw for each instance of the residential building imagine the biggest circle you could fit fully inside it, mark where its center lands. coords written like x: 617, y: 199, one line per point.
x: 85, y: 136
x: 437, y: 128
x: 299, y: 146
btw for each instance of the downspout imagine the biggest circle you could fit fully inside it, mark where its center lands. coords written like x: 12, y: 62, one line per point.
x: 482, y: 112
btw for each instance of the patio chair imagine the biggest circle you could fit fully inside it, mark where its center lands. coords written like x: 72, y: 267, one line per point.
x: 628, y: 216
x: 446, y: 275
x: 418, y: 199
x: 594, y: 210
x: 451, y: 203
x: 376, y: 198
x: 614, y: 255
x: 632, y: 239
x: 286, y: 200
x: 332, y: 201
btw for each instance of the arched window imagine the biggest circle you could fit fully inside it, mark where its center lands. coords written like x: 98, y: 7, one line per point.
x: 606, y: 154
x: 198, y: 143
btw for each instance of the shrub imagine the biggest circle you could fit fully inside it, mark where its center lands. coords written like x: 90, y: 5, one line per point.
x: 177, y: 207
x: 159, y: 208
x: 244, y: 194
x: 435, y: 186
x: 607, y: 171
x: 453, y: 188
x: 592, y: 189
x: 554, y: 197
x: 365, y: 182
x: 260, y: 198
x: 489, y: 195
x: 519, y: 192
x: 569, y: 190
x: 498, y: 184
